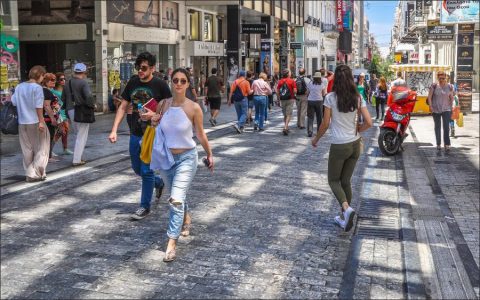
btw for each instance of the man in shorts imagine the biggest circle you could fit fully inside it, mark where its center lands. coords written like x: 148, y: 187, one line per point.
x: 286, y: 91
x: 213, y: 87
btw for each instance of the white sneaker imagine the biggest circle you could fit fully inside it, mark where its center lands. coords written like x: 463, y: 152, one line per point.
x: 54, y: 154
x: 349, y: 215
x: 339, y: 222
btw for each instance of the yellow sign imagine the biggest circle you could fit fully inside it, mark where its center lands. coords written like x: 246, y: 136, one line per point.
x: 398, y: 57
x: 114, y: 79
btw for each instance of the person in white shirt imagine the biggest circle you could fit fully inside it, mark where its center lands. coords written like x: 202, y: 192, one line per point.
x: 261, y: 90
x: 317, y: 89
x: 341, y: 115
x: 33, y: 134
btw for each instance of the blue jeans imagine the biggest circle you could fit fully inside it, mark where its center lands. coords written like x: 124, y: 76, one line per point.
x: 149, y: 180
x: 260, y: 105
x: 241, y: 109
x: 438, y: 119
x: 178, y: 180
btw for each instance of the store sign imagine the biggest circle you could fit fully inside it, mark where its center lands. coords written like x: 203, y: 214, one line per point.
x: 311, y: 43
x: 414, y: 56
x: 459, y: 11
x: 253, y: 53
x: 296, y: 45
x: 437, y: 32
x: 149, y: 35
x: 65, y: 32
x: 464, y: 84
x: 207, y: 48
x: 465, y: 55
x: 409, y: 15
x: 418, y: 8
x: 428, y: 3
x: 254, y: 28
x: 339, y: 13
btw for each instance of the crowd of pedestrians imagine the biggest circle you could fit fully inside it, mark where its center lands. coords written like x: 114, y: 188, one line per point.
x: 42, y: 105
x: 164, y: 112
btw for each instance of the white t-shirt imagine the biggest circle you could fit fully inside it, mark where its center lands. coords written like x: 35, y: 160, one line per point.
x: 315, y: 90
x: 27, y: 97
x: 342, y: 125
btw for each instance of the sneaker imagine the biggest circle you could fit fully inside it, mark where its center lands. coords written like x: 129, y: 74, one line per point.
x: 242, y: 129
x: 53, y: 160
x: 158, y: 192
x: 212, y: 122
x: 310, y: 134
x: 237, y: 128
x: 339, y: 222
x: 67, y: 152
x: 140, y: 213
x: 81, y: 163
x: 255, y: 127
x: 348, y: 215
x: 54, y: 154
x: 261, y: 129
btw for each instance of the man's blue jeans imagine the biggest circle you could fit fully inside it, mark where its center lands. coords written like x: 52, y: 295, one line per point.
x: 260, y: 105
x: 241, y: 109
x: 149, y: 180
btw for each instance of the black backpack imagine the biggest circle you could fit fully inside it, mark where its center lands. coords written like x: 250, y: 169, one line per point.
x: 301, y: 86
x: 9, y: 119
x: 237, y: 93
x: 285, y: 92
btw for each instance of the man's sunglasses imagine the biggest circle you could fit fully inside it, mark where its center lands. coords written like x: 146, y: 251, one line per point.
x: 182, y: 81
x: 142, y: 68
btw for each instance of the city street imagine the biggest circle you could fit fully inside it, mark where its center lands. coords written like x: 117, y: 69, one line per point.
x: 262, y: 222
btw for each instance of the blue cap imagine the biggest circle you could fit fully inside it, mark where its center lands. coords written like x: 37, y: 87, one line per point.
x: 242, y: 73
x: 80, y: 68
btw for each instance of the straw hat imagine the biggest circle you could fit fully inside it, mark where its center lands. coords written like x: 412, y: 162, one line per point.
x: 317, y: 75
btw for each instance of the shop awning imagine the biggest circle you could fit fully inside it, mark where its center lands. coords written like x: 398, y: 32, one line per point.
x: 420, y: 68
x: 404, y: 47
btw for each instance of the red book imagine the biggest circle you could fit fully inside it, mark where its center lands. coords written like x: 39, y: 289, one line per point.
x: 151, y: 104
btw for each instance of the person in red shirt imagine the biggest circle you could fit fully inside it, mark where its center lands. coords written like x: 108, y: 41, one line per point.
x: 286, y: 91
x: 330, y: 81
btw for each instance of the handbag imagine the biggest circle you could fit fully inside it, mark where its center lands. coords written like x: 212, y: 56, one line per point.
x: 147, y: 145
x: 82, y: 113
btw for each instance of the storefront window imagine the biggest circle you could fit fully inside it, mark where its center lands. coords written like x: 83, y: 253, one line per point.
x: 194, y: 26
x: 208, y: 28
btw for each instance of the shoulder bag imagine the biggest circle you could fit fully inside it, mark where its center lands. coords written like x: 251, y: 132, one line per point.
x: 357, y: 124
x: 83, y: 113
x: 161, y: 156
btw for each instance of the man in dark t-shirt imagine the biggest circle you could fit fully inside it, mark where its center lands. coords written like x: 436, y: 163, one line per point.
x: 213, y: 86
x: 139, y: 90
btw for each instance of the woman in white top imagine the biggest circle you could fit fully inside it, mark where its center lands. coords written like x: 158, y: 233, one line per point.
x: 317, y: 89
x: 341, y: 114
x: 261, y: 90
x: 33, y: 133
x: 179, y: 117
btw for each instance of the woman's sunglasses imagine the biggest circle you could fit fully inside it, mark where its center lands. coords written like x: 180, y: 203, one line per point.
x: 141, y: 68
x: 182, y: 81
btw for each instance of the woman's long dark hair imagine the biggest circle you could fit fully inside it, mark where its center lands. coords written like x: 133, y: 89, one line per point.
x: 345, y: 89
x: 317, y: 81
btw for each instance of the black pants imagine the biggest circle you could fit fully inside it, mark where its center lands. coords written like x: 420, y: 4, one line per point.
x: 442, y: 120
x: 51, y: 130
x: 314, y: 109
x: 380, y: 103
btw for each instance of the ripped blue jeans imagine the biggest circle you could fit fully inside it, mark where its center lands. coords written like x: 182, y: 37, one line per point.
x: 177, y: 182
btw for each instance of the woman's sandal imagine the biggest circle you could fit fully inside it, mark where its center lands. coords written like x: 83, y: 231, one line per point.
x: 186, y: 229
x: 170, y: 256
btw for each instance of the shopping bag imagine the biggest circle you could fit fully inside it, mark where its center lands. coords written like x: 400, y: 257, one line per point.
x: 147, y: 144
x: 460, y: 120
x: 374, y: 100
x: 455, y: 113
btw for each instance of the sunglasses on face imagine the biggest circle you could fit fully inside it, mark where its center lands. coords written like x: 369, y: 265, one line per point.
x: 442, y: 78
x: 182, y: 81
x: 142, y: 68
x: 61, y: 79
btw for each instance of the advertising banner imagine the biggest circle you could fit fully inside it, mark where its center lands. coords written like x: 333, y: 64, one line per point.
x: 465, y: 54
x: 347, y: 11
x: 120, y: 11
x: 437, y: 32
x: 459, y: 11
x: 409, y: 14
x: 146, y: 13
x: 169, y: 15
x: 464, y: 84
x: 339, y: 15
x: 266, y: 54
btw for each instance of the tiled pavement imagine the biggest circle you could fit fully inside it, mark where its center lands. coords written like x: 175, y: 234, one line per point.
x: 262, y: 229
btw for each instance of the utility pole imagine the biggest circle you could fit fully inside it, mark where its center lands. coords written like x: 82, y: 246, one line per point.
x: 362, y: 43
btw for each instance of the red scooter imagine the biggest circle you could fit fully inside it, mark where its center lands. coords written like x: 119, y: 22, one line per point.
x: 394, y: 127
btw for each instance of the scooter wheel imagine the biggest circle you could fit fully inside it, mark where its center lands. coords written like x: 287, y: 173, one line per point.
x: 386, y: 144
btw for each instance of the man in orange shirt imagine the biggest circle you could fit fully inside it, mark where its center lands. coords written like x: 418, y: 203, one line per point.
x: 240, y: 100
x: 286, y: 91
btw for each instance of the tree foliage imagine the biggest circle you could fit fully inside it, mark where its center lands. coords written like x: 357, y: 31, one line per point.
x: 379, y: 66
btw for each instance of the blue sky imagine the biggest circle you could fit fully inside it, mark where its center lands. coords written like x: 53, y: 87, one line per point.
x: 380, y: 15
